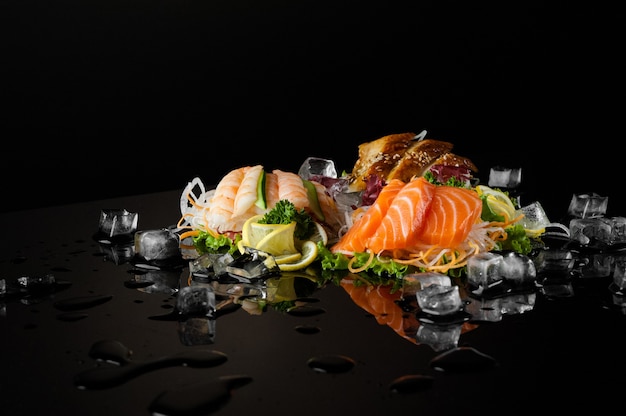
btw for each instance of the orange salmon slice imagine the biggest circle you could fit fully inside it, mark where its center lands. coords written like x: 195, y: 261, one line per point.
x: 453, y: 213
x: 401, y: 225
x: 353, y: 241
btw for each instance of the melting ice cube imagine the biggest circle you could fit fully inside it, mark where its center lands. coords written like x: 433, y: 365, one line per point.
x: 483, y: 269
x: 315, y: 166
x: 589, y: 231
x: 588, y: 205
x: 117, y: 222
x: 517, y: 268
x: 502, y: 177
x: 159, y: 244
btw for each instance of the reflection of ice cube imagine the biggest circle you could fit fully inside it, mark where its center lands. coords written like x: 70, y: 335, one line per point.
x: 118, y: 253
x: 557, y: 290
x: 596, y: 265
x: 517, y: 268
x: 197, y: 331
x: 416, y: 281
x: 439, y: 300
x: 483, y: 269
x: 34, y: 283
x: 315, y: 166
x: 619, y: 272
x: 618, y: 230
x: 590, y: 230
x: 518, y: 303
x: 588, y: 205
x: 440, y: 338
x: 158, y: 281
x: 501, y: 177
x: 554, y: 263
x: 488, y: 310
x: 196, y: 301
x: 114, y: 222
x: 157, y: 244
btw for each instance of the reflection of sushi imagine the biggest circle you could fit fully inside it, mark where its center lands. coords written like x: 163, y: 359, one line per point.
x: 434, y: 227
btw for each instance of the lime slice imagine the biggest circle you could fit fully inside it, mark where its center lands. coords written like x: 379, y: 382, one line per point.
x: 279, y: 241
x: 498, y: 201
x: 309, y: 254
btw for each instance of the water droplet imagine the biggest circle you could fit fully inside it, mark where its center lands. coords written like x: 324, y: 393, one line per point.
x: 82, y: 302
x: 71, y: 316
x: 137, y: 284
x: 200, y: 399
x: 307, y: 329
x: 411, y: 383
x: 306, y: 310
x: 462, y: 359
x: 106, y: 377
x: 331, y: 363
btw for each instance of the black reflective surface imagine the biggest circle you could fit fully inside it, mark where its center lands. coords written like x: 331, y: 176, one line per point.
x: 554, y: 350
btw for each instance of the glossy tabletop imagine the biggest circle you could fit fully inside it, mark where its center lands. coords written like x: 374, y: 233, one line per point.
x: 547, y: 351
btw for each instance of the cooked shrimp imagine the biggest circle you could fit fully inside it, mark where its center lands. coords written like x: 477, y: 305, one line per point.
x: 290, y: 187
x: 223, y: 202
x: 247, y: 191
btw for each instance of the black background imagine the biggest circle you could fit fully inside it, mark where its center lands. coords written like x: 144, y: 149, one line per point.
x: 115, y: 98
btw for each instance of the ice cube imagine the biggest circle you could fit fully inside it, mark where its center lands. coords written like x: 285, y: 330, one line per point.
x: 502, y: 177
x: 483, y: 269
x: 588, y: 205
x: 590, y: 231
x: 517, y: 268
x: 439, y: 299
x: 3, y: 287
x: 117, y: 222
x: 253, y: 264
x: 316, y: 166
x: 161, y: 244
x: 535, y: 216
x: 196, y: 301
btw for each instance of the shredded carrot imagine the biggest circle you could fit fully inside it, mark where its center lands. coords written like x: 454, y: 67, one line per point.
x: 362, y: 268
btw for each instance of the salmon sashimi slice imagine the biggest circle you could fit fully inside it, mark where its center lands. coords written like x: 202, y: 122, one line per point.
x: 453, y: 213
x: 401, y: 225
x: 354, y: 240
